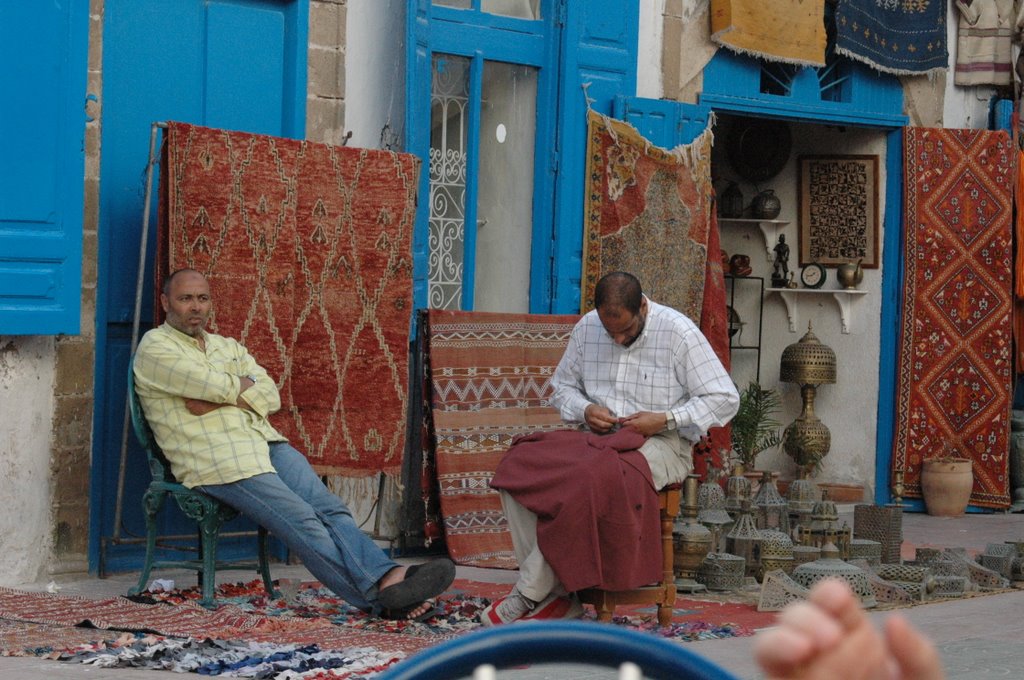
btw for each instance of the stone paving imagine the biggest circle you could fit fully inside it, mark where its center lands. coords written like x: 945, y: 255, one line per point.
x: 979, y: 637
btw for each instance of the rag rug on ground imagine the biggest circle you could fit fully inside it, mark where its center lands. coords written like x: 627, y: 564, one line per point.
x: 893, y: 36
x: 953, y: 383
x: 650, y: 211
x: 490, y: 379
x: 791, y: 31
x: 310, y: 634
x: 307, y: 248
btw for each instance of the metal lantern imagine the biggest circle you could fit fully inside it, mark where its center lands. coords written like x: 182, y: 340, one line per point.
x: 771, y: 511
x: 808, y: 363
x: 691, y: 541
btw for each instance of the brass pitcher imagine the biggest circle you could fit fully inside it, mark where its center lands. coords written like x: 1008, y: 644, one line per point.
x: 850, y: 274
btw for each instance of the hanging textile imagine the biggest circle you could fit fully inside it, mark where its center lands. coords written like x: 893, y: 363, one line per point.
x: 647, y: 212
x: 984, y: 40
x: 902, y: 38
x: 307, y: 248
x: 490, y: 378
x: 953, y: 383
x: 791, y: 31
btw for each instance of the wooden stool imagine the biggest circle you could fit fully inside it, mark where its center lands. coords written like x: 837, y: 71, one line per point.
x: 664, y: 593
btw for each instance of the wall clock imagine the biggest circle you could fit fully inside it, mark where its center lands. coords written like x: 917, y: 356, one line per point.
x: 812, y: 276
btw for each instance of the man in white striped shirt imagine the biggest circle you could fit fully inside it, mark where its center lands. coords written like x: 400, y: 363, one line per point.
x: 630, y: 363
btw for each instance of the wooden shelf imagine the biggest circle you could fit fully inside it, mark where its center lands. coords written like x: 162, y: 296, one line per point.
x: 770, y: 230
x: 844, y: 298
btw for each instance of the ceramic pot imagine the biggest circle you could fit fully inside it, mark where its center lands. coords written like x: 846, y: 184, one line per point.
x: 766, y: 205
x: 946, y: 485
x: 849, y: 274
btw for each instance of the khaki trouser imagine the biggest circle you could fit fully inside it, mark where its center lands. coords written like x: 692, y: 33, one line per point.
x: 670, y: 460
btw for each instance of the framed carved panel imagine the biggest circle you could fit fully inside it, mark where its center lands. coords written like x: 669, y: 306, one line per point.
x: 838, y: 216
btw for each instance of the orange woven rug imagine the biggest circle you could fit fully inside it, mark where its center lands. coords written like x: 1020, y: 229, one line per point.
x: 953, y: 383
x: 308, y: 251
x: 490, y: 381
x: 791, y: 31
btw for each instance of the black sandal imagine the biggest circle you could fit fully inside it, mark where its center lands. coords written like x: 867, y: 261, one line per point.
x: 421, y: 583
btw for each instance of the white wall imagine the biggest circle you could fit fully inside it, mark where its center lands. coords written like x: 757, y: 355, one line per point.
x: 375, y: 73
x: 848, y: 408
x: 648, y: 73
x: 26, y: 412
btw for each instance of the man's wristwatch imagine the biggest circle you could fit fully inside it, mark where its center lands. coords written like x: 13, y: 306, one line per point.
x: 670, y: 421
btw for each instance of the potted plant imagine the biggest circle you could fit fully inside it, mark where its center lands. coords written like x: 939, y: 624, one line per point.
x: 946, y: 483
x: 754, y: 428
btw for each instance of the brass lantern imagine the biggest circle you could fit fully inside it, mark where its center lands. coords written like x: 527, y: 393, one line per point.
x: 808, y: 363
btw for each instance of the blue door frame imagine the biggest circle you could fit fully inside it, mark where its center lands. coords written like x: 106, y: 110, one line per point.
x: 237, y: 64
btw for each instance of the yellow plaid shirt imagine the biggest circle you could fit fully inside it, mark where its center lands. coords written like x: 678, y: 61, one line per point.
x: 224, y: 445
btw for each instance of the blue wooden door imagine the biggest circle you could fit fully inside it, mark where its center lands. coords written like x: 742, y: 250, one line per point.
x: 236, y: 64
x: 42, y: 128
x: 580, y: 50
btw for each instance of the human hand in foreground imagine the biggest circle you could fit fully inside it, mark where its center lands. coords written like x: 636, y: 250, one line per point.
x: 829, y: 637
x: 600, y: 419
x: 645, y: 422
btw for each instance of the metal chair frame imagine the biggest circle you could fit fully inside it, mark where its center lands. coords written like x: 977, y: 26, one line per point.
x: 208, y: 513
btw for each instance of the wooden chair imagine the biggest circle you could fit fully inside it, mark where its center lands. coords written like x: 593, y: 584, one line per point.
x: 664, y: 593
x: 208, y: 513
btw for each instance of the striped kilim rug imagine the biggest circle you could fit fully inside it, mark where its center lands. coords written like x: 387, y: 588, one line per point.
x: 490, y: 381
x: 307, y: 248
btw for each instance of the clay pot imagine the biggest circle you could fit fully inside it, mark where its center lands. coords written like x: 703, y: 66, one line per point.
x: 946, y: 485
x: 766, y: 205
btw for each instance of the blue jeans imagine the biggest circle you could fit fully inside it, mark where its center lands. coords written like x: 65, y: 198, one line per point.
x: 296, y: 507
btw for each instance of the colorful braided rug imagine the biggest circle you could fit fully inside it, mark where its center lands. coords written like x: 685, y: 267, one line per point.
x: 953, y: 383
x: 309, y: 634
x: 307, y: 248
x: 490, y: 381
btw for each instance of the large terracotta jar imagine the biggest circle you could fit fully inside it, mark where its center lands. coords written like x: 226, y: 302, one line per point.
x: 946, y: 485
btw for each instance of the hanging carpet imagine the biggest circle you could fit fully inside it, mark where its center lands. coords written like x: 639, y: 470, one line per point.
x: 307, y: 248
x: 893, y: 36
x: 791, y: 31
x: 650, y: 211
x: 490, y: 381
x: 953, y: 383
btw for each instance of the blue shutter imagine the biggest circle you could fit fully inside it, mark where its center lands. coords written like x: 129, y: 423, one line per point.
x: 599, y: 41
x: 43, y: 47
x: 665, y: 123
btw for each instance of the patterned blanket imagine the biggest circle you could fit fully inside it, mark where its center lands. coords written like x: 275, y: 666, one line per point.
x: 902, y: 37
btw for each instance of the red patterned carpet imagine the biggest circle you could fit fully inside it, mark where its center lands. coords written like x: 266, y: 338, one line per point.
x: 955, y: 366
x: 308, y: 251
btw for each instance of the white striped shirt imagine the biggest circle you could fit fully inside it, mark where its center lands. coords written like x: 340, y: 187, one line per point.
x: 670, y: 367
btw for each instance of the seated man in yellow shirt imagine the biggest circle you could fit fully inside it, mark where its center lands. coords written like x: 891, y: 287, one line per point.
x: 207, y: 401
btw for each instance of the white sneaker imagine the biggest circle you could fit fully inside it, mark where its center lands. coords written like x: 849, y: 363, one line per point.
x: 512, y: 607
x: 555, y: 607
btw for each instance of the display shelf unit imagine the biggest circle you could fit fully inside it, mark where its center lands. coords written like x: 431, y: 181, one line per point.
x: 770, y: 230
x: 844, y: 297
x: 733, y: 283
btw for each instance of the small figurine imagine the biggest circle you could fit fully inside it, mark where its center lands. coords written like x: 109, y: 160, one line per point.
x: 780, y: 276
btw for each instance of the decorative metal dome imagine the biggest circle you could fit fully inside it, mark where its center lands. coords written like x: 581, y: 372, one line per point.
x: 808, y: 362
